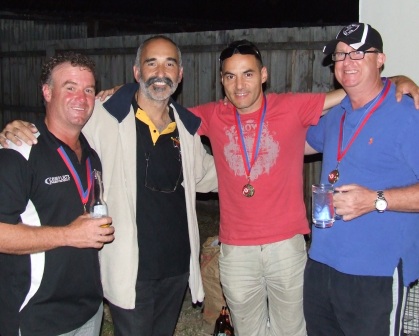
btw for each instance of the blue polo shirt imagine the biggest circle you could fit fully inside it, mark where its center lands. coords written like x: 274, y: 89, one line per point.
x: 384, y: 155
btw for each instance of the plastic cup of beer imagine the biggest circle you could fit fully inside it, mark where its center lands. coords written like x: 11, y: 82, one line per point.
x: 323, y: 212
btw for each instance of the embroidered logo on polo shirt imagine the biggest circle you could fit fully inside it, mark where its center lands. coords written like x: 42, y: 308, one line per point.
x: 57, y: 179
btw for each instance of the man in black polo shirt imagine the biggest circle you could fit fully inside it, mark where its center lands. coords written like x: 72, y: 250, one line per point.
x: 50, y: 279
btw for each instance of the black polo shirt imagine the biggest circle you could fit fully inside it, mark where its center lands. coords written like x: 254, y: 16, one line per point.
x: 163, y: 238
x: 56, y: 291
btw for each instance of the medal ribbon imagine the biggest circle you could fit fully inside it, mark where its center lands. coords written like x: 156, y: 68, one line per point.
x: 341, y: 153
x: 256, y: 144
x: 84, y: 194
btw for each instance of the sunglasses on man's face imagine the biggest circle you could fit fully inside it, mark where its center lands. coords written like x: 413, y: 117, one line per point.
x: 242, y: 49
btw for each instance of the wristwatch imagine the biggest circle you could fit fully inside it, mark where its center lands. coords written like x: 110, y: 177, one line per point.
x: 380, y: 202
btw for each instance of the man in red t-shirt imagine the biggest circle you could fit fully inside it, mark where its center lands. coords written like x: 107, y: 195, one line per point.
x: 258, y: 146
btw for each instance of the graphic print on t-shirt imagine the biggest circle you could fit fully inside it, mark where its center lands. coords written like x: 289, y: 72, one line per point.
x: 268, y: 151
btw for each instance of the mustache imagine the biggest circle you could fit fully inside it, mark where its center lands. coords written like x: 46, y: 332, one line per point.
x: 153, y: 80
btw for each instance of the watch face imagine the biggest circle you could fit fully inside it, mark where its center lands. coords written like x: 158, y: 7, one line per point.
x: 381, y: 205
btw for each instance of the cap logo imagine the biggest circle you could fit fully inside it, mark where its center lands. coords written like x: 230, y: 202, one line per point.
x: 359, y: 36
x: 350, y: 29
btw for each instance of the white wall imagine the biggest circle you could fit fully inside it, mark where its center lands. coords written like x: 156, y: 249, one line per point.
x: 398, y: 23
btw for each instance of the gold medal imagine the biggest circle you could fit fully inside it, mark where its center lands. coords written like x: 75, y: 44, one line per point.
x: 333, y: 176
x: 248, y: 190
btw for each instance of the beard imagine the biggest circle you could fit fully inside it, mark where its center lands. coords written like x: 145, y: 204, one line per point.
x: 157, y: 92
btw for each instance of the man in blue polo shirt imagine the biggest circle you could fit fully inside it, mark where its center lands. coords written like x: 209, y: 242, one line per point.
x: 50, y: 280
x: 359, y: 270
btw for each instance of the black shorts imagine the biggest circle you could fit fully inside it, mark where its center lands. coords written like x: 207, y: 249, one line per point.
x: 339, y: 304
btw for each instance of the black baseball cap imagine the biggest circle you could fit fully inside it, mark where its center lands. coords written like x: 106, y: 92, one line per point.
x: 360, y: 36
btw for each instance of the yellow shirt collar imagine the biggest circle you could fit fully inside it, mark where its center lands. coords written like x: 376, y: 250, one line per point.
x: 154, y: 132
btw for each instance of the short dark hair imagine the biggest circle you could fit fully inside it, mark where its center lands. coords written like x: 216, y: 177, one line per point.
x: 242, y: 47
x: 75, y: 59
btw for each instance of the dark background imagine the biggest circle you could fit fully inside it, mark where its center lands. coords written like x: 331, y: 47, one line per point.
x: 121, y: 17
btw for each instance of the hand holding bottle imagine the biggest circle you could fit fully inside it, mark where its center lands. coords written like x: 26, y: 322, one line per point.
x: 85, y: 232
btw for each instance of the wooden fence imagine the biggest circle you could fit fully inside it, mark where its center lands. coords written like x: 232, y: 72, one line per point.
x: 293, y: 57
x: 16, y: 30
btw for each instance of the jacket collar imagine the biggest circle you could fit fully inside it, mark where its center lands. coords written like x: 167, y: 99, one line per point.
x: 120, y: 103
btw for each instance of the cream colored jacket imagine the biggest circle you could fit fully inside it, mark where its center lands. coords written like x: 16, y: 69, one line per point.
x: 111, y: 132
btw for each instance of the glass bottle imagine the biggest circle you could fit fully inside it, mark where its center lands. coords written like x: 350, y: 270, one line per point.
x: 220, y: 323
x: 98, y: 207
x: 228, y: 330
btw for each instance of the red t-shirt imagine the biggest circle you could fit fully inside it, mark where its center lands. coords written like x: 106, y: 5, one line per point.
x: 276, y: 211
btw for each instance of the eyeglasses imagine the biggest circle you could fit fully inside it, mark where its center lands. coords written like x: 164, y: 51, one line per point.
x: 243, y: 49
x: 353, y: 55
x: 154, y: 182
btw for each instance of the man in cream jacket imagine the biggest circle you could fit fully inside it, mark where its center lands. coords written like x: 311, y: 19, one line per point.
x: 153, y: 165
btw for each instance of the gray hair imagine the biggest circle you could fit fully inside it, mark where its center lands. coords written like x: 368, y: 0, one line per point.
x: 153, y: 38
